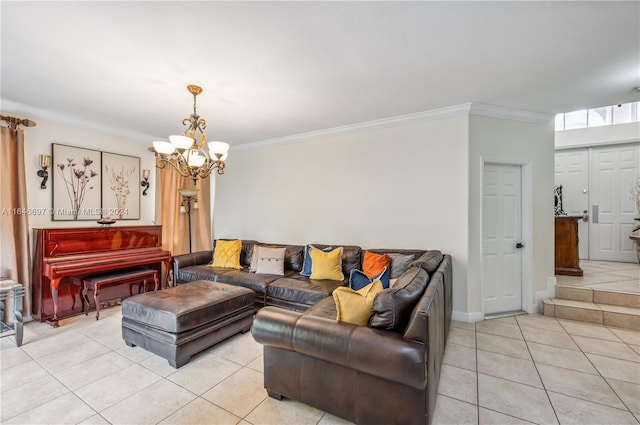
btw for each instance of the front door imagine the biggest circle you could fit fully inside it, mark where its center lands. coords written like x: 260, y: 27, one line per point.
x: 572, y: 172
x: 614, y: 170
x: 501, y: 238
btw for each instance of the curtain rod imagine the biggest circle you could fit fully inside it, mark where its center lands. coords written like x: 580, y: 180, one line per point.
x: 15, y: 122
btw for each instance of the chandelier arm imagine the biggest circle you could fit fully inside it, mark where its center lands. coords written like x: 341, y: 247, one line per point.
x: 221, y: 169
x: 177, y: 165
x: 203, y: 173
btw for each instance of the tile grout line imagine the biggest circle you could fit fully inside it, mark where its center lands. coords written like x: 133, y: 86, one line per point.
x: 599, y: 374
x: 535, y: 365
x: 506, y: 379
x: 49, y: 373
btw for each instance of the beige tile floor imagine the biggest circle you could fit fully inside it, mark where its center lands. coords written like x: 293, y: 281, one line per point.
x: 514, y: 370
x: 606, y: 276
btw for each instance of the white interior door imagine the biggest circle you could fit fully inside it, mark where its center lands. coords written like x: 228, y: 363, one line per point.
x: 501, y: 235
x: 572, y: 172
x: 613, y: 170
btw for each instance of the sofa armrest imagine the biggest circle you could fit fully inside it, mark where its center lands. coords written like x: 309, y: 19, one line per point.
x: 384, y: 354
x: 185, y: 260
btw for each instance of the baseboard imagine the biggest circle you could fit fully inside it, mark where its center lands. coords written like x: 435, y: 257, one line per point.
x: 550, y: 292
x: 460, y: 316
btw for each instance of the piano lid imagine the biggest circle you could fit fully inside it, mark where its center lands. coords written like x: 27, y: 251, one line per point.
x: 84, y: 240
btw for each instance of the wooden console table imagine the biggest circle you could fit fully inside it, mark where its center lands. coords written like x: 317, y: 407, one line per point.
x: 567, y: 253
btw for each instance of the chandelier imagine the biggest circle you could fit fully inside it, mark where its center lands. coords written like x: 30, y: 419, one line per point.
x: 188, y: 155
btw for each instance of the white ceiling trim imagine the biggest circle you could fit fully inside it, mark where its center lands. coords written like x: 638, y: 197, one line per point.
x: 451, y: 111
x: 481, y: 109
x: 494, y: 111
x: 9, y: 106
x: 435, y: 114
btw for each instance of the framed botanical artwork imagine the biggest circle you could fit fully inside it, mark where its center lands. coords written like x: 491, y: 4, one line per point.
x: 76, y: 183
x: 120, y: 186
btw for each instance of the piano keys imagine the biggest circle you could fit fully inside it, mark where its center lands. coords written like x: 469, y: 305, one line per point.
x: 64, y: 253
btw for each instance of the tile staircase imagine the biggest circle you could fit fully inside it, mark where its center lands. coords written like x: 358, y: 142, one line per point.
x: 608, y: 294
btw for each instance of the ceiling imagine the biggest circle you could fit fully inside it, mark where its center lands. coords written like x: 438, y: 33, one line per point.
x: 276, y: 69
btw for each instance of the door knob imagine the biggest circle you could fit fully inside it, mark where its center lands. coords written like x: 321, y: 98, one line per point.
x: 519, y: 245
x: 585, y: 215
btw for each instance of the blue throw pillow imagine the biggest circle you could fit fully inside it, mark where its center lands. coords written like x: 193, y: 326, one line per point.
x: 306, y: 265
x: 358, y: 280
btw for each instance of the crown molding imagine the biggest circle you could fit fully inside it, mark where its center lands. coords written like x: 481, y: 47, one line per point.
x: 512, y: 114
x: 9, y: 106
x: 480, y: 109
x: 435, y: 114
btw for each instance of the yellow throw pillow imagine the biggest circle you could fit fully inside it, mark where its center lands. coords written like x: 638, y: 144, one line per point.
x: 326, y: 265
x: 227, y: 254
x: 356, y: 306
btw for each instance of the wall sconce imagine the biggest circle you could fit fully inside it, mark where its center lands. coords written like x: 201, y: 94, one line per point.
x: 45, y: 162
x: 145, y: 183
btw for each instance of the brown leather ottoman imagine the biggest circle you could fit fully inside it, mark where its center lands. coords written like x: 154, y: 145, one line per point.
x: 179, y: 322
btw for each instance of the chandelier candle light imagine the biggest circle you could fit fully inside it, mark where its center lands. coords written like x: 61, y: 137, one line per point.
x: 188, y: 155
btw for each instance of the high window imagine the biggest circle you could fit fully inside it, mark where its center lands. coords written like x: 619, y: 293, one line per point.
x: 598, y: 117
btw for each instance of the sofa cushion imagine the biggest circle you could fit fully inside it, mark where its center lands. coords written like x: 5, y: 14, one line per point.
x: 308, y: 262
x: 392, y: 307
x: 255, y: 282
x: 359, y: 279
x: 306, y: 292
x: 226, y: 254
x: 351, y: 256
x: 399, y: 263
x: 201, y: 272
x: 429, y: 261
x: 373, y: 264
x: 245, y: 252
x: 326, y: 265
x: 356, y: 306
x: 269, y: 260
x: 325, y: 308
x: 253, y: 264
x: 293, y: 258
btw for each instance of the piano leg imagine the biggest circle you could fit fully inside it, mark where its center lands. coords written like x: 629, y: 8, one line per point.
x: 53, y: 321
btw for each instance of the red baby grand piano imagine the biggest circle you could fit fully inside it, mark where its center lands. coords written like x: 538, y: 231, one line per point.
x: 63, y: 254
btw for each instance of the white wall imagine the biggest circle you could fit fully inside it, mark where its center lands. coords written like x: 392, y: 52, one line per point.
x: 500, y: 140
x: 619, y: 133
x: 38, y: 141
x: 403, y: 186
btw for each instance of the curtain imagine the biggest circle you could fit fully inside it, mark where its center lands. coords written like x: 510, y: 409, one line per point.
x: 175, y: 236
x: 15, y: 262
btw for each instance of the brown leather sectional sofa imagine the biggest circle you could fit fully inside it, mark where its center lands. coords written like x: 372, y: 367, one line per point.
x: 384, y: 373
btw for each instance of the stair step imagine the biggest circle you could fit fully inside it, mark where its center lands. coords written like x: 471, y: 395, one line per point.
x: 599, y: 295
x: 585, y: 311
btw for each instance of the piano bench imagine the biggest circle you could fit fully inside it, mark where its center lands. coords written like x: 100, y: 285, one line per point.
x: 128, y: 277
x: 178, y: 322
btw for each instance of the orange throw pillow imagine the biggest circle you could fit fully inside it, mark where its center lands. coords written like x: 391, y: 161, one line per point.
x: 373, y: 264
